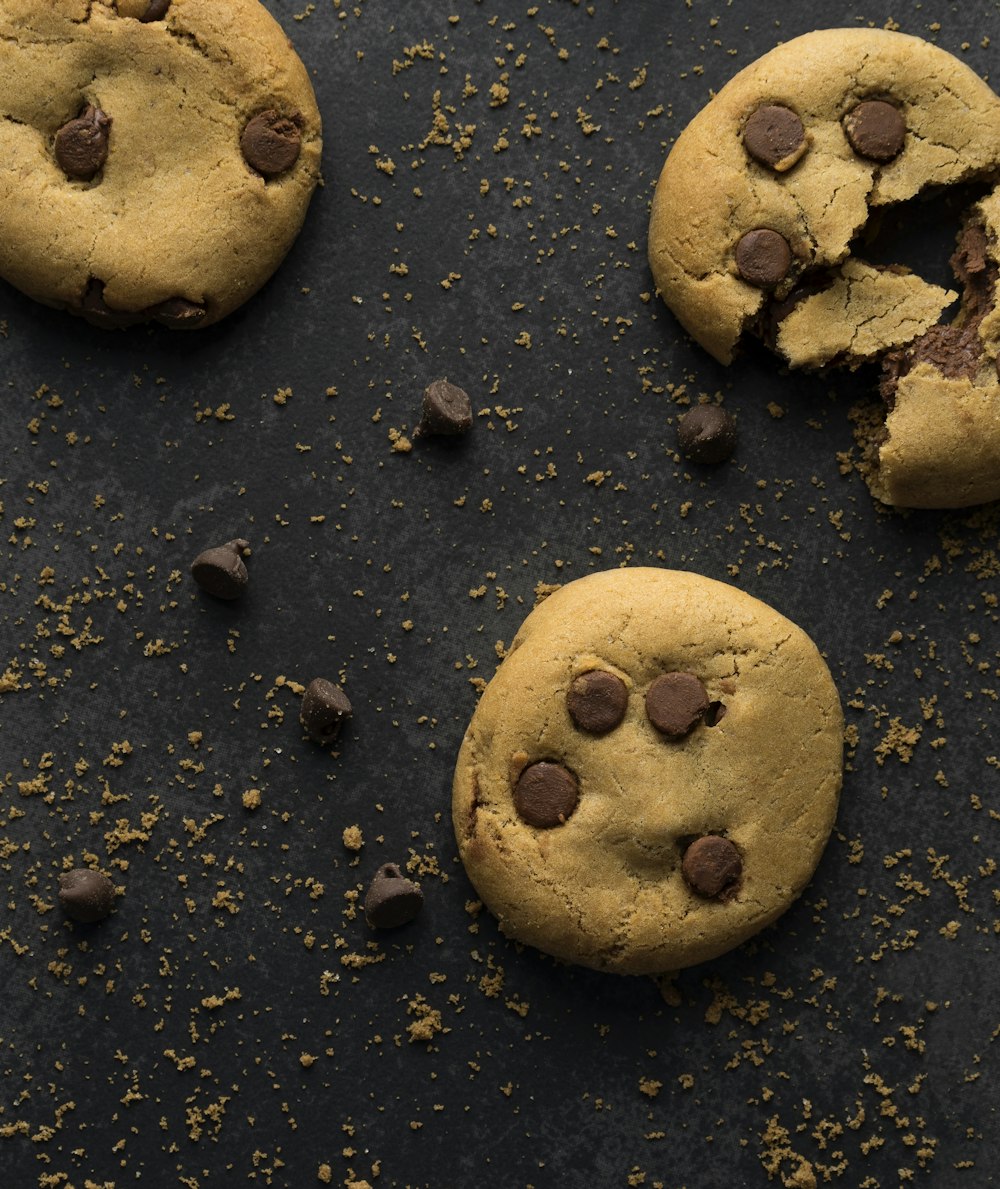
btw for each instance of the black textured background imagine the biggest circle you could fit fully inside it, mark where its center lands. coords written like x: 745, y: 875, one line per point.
x: 853, y: 1042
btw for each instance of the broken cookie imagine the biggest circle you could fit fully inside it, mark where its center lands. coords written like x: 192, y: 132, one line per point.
x: 755, y: 219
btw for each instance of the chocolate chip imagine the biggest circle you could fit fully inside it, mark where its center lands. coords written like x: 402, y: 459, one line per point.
x: 221, y: 571
x: 271, y: 141
x: 325, y: 708
x: 96, y: 310
x: 715, y: 713
x: 81, y: 145
x: 546, y: 795
x: 143, y: 10
x: 707, y: 434
x: 876, y: 130
x: 392, y: 899
x: 176, y: 312
x: 597, y: 701
x: 775, y: 137
x: 676, y: 703
x: 763, y: 258
x: 712, y: 866
x: 85, y: 895
x: 447, y: 410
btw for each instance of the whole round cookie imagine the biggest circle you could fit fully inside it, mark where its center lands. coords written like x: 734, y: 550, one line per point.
x: 159, y: 155
x: 753, y: 230
x: 652, y: 774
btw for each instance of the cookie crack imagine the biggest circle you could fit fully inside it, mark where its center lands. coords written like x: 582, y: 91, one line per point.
x: 187, y: 37
x: 86, y: 17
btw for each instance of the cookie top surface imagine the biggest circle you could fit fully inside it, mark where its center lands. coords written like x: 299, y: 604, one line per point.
x: 159, y: 157
x: 883, y: 116
x: 580, y: 840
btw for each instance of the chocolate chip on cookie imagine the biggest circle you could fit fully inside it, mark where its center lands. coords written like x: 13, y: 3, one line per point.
x: 707, y: 434
x: 763, y: 258
x: 271, y: 142
x: 676, y: 703
x: 155, y: 11
x: 774, y: 136
x: 546, y: 794
x: 143, y: 10
x: 97, y: 312
x: 176, y: 312
x: 447, y: 410
x: 597, y: 701
x: 392, y: 899
x: 221, y: 571
x: 81, y: 145
x: 325, y: 709
x: 712, y: 866
x: 85, y: 895
x: 876, y: 130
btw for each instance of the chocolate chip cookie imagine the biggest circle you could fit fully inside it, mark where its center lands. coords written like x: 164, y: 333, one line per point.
x: 754, y: 227
x: 159, y: 155
x: 652, y: 774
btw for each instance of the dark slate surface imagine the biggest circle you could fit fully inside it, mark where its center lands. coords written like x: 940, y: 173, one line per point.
x: 853, y: 1041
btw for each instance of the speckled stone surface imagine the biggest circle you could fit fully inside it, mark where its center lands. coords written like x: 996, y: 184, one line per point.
x: 235, y: 1021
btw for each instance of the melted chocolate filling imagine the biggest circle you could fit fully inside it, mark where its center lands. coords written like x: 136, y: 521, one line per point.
x: 954, y: 349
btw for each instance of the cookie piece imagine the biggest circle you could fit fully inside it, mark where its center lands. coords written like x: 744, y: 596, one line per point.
x: 753, y: 225
x: 940, y: 445
x: 640, y: 850
x: 160, y: 157
x: 859, y: 313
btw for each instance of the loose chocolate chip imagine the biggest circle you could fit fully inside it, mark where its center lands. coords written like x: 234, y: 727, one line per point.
x: 676, y: 703
x: 392, y: 899
x: 271, y: 142
x: 81, y: 145
x: 176, y: 312
x: 221, y: 571
x: 876, y: 130
x: 597, y: 701
x: 325, y: 708
x: 86, y: 896
x: 143, y: 10
x: 707, y: 434
x: 546, y: 795
x: 775, y: 137
x: 447, y: 410
x: 763, y: 258
x: 712, y: 866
